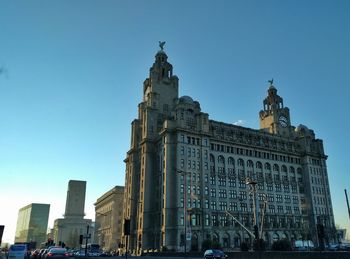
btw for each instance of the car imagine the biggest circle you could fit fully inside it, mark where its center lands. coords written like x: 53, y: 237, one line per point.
x: 57, y: 253
x: 35, y: 253
x: 215, y: 254
x: 332, y: 247
x: 80, y: 253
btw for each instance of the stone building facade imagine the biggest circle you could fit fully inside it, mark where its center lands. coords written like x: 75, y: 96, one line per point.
x: 184, y: 172
x: 68, y: 229
x: 109, y: 219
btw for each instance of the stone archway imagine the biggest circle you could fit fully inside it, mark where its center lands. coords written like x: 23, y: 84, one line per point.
x: 226, y: 240
x: 285, y: 235
x: 194, y: 242
x: 267, y: 239
x: 275, y: 237
x: 237, y: 240
x: 216, y: 238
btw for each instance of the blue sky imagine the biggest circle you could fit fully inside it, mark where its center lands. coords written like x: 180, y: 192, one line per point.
x: 72, y: 73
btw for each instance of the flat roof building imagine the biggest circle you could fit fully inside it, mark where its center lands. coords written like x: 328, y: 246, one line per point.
x: 32, y: 223
x: 109, y: 219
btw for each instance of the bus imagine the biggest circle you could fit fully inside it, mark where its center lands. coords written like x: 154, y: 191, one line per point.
x: 18, y: 251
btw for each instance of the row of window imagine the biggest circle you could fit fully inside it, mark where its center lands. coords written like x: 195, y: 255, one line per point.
x: 231, y: 162
x: 224, y: 220
x: 322, y: 210
x: 254, y: 153
x: 193, y: 140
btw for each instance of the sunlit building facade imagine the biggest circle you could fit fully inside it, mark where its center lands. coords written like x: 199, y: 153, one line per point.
x: 68, y: 229
x: 185, y: 173
x: 109, y: 219
x: 32, y: 223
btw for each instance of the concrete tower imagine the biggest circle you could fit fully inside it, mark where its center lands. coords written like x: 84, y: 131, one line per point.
x: 75, y: 199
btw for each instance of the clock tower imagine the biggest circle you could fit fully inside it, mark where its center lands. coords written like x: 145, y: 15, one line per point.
x: 274, y: 118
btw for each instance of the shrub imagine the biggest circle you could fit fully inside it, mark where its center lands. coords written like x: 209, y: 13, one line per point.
x: 282, y: 245
x: 259, y: 245
x: 216, y: 245
x: 206, y: 244
x: 244, y: 246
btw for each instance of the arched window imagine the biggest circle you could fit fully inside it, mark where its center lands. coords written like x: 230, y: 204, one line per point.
x: 250, y: 164
x: 267, y: 166
x: 276, y: 168
x: 291, y: 170
x: 231, y: 166
x: 212, y: 159
x: 258, y: 165
x: 221, y: 165
x: 240, y: 162
x: 283, y: 169
x: 231, y: 161
x: 221, y: 160
x: 299, y: 170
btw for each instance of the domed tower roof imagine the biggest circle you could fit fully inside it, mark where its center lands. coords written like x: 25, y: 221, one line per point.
x: 161, y: 67
x: 273, y: 100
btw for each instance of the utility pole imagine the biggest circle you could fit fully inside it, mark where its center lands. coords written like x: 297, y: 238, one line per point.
x: 347, y: 201
x: 253, y: 184
x: 86, y: 239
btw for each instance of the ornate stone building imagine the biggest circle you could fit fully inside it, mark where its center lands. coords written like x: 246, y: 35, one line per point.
x: 109, y: 218
x: 184, y: 172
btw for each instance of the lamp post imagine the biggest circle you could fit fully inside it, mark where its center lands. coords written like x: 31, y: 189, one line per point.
x: 101, y: 235
x: 252, y: 185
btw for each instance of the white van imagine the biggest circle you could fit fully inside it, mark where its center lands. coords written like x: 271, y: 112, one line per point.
x: 18, y: 251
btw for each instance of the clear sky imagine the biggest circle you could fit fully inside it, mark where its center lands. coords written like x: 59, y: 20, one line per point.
x: 71, y: 75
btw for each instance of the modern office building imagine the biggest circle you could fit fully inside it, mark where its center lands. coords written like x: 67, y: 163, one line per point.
x: 109, y: 219
x: 68, y: 229
x: 186, y: 175
x: 32, y: 223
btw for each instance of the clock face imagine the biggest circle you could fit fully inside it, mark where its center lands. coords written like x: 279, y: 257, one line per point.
x: 283, y: 121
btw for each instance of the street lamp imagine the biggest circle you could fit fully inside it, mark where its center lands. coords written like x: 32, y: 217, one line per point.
x: 101, y: 235
x: 252, y: 185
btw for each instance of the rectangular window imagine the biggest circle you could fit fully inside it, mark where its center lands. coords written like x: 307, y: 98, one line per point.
x: 206, y: 204
x: 213, y: 205
x: 232, y: 182
x: 212, y: 180
x: 182, y: 150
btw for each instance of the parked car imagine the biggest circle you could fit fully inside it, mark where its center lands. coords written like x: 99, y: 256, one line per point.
x: 43, y: 253
x: 80, y: 253
x: 214, y: 254
x: 332, y: 247
x: 35, y: 253
x: 57, y: 253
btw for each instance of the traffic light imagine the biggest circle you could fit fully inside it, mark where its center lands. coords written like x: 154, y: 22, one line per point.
x: 126, y: 227
x: 81, y: 239
x: 320, y: 231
